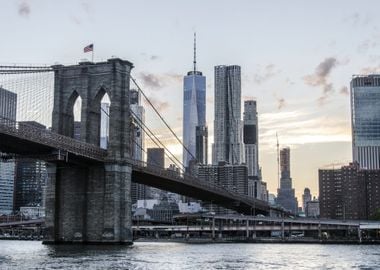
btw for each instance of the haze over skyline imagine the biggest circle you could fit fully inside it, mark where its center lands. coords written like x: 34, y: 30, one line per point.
x: 297, y: 66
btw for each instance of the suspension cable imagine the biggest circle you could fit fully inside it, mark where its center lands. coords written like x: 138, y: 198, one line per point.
x: 159, y: 115
x: 155, y: 140
x: 150, y: 134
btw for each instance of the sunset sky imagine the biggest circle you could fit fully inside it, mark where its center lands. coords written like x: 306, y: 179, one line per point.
x: 297, y: 59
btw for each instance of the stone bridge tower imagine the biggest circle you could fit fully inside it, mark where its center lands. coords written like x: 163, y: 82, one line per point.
x: 89, y: 202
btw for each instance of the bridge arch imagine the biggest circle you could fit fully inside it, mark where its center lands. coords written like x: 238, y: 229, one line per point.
x: 100, y: 110
x: 90, y: 202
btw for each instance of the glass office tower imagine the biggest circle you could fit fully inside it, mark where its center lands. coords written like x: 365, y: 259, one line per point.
x: 194, y: 109
x: 365, y: 117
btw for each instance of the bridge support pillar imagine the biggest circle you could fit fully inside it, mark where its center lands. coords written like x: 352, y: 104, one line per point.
x: 50, y: 202
x: 247, y: 229
x: 117, y: 204
x: 213, y: 228
x: 89, y: 205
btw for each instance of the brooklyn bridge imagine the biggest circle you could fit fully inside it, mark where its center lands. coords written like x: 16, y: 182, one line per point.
x: 88, y: 197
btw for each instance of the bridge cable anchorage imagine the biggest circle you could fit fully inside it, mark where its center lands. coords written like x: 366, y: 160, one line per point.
x: 155, y: 140
x: 162, y: 119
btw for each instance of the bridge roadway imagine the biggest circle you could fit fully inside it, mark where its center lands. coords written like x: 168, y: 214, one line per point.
x: 26, y: 140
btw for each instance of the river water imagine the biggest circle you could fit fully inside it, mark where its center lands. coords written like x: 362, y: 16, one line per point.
x: 34, y: 255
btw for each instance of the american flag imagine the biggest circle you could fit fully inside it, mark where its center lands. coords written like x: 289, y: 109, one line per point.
x: 88, y: 48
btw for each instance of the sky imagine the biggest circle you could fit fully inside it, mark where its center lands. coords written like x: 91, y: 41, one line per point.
x: 297, y: 59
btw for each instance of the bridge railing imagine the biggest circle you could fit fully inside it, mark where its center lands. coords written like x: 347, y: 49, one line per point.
x: 190, y: 179
x: 46, y: 137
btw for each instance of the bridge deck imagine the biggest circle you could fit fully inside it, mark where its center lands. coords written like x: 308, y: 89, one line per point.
x: 24, y: 139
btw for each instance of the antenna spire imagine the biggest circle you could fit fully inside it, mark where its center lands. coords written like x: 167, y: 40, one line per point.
x: 195, y: 52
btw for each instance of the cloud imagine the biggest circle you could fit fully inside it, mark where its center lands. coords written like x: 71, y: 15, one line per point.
x: 150, y: 80
x: 154, y: 57
x: 357, y: 19
x: 75, y: 20
x: 24, y: 9
x: 158, y: 81
x: 281, y: 103
x: 86, y: 7
x: 344, y: 90
x: 268, y: 72
x: 366, y: 45
x: 300, y: 127
x: 320, y: 78
x: 245, y: 97
x: 370, y: 70
x: 161, y: 106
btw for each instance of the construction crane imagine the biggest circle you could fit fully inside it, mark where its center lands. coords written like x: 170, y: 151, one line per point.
x: 278, y: 162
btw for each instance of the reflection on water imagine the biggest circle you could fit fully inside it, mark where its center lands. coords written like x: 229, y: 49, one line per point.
x: 34, y: 255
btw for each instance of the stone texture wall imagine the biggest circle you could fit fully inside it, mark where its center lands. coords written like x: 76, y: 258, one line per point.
x: 92, y: 203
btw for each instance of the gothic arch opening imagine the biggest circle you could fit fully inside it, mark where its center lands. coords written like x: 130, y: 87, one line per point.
x: 73, y: 116
x: 99, y: 119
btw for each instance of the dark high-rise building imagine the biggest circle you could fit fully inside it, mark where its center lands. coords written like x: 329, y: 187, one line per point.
x: 201, y: 135
x: 8, y: 106
x: 251, y: 147
x: 250, y: 137
x: 231, y: 177
x: 30, y: 179
x: 194, y: 109
x: 155, y: 157
x: 365, y: 119
x: 349, y: 192
x: 228, y: 145
x: 286, y: 194
x: 138, y: 191
x: 306, y: 197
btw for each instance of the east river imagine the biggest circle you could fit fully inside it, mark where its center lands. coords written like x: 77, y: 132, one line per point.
x: 34, y: 255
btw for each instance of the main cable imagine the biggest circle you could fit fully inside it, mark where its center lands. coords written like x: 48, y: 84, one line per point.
x: 159, y: 115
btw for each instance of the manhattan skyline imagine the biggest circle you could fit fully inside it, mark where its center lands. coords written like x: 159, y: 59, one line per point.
x: 295, y: 65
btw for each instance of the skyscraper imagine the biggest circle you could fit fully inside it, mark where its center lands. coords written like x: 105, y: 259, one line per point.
x: 201, y: 134
x: 139, y: 135
x: 31, y: 177
x: 8, y: 106
x: 365, y: 118
x: 250, y: 138
x: 285, y: 194
x: 349, y: 192
x: 138, y: 191
x: 306, y: 197
x: 227, y: 145
x: 194, y: 108
x: 156, y: 157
